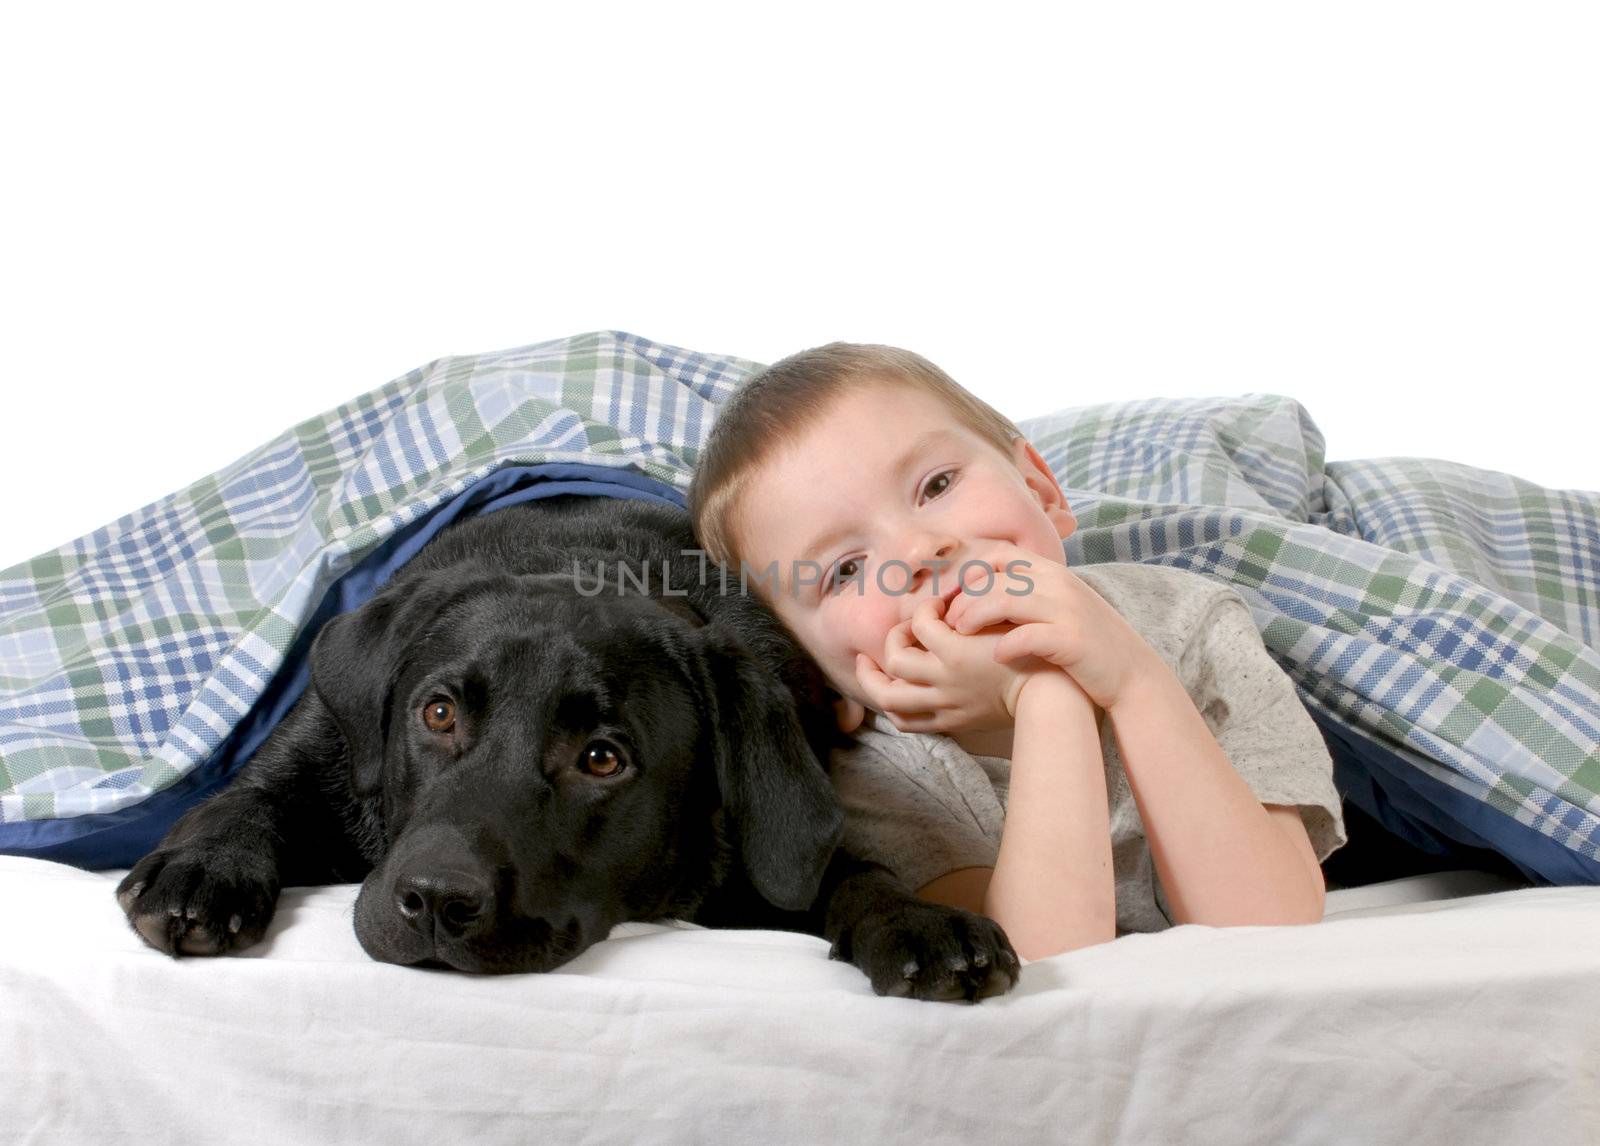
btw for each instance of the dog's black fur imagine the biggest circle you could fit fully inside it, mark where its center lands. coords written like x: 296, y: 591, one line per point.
x: 515, y: 759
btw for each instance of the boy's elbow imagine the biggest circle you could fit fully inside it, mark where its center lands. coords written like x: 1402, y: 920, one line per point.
x: 1043, y: 947
x: 1286, y: 909
x: 1301, y: 914
x: 1039, y: 938
x: 1317, y: 904
x: 1305, y: 905
x: 1303, y: 908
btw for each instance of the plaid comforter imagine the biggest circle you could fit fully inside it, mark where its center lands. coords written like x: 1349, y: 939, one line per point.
x: 1444, y: 617
x: 1440, y: 621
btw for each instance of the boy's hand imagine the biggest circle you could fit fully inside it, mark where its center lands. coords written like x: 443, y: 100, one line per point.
x: 934, y: 680
x: 1059, y: 619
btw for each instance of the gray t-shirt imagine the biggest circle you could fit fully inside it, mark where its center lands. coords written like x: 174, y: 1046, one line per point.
x: 921, y: 806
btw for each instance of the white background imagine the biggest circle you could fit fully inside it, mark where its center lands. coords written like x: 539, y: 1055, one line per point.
x: 219, y: 220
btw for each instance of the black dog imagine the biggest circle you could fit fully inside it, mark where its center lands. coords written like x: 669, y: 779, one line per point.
x: 553, y: 720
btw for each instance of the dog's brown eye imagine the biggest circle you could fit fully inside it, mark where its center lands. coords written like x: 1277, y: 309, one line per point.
x: 439, y: 715
x: 600, y: 758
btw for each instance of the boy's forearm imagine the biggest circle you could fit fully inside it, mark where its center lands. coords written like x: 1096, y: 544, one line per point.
x: 1052, y: 888
x: 1220, y: 858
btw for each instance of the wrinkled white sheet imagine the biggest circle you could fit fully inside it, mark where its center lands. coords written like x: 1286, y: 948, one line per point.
x: 1469, y: 1019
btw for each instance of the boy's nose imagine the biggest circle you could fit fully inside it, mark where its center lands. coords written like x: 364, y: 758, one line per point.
x: 930, y: 547
x: 934, y: 568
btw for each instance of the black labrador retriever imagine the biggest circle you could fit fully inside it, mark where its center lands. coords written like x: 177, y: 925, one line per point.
x: 556, y: 718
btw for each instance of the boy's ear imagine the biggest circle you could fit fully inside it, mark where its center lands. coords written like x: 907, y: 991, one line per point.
x: 848, y: 713
x: 1037, y: 474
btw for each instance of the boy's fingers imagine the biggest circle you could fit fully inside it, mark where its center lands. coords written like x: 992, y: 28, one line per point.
x: 871, y: 679
x: 998, y: 556
x: 932, y: 630
x: 870, y: 676
x: 922, y: 722
x: 906, y: 660
x: 889, y: 693
x: 970, y: 613
x: 915, y: 665
x: 1037, y: 640
x: 929, y: 628
x: 957, y: 607
x: 929, y: 717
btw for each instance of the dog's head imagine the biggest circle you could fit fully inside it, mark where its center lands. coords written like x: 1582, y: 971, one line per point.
x: 546, y: 764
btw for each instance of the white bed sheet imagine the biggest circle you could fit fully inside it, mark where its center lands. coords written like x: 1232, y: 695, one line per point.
x: 1437, y: 1009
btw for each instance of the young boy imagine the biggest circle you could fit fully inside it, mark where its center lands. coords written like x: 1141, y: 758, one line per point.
x: 1118, y: 751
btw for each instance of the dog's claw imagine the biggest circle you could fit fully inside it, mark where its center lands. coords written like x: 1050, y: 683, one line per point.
x: 189, y: 903
x: 933, y: 952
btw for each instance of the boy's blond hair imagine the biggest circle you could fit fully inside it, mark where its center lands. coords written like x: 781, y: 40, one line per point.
x: 780, y: 402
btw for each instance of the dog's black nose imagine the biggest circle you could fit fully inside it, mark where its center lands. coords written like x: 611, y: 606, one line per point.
x: 455, y: 901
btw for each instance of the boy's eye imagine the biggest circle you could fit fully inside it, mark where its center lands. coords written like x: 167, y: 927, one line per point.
x: 938, y: 483
x: 841, y: 572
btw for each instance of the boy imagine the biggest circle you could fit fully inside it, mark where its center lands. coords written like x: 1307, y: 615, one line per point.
x: 1119, y: 752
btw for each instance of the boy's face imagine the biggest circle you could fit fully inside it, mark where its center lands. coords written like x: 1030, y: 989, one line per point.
x: 887, y: 475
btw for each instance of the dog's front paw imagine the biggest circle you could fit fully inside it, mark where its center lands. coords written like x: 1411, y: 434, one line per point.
x: 193, y: 900
x: 924, y: 950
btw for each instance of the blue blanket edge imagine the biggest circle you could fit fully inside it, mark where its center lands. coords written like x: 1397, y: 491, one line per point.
x: 1425, y: 812
x: 1435, y: 818
x: 120, y: 838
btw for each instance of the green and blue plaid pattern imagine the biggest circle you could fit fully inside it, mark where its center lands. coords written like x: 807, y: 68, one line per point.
x: 128, y: 655
x: 1447, y: 612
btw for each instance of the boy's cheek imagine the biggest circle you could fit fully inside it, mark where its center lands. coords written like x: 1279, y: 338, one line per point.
x: 837, y: 668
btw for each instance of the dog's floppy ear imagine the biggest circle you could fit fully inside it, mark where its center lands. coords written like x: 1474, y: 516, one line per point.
x: 353, y: 664
x: 776, y: 791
